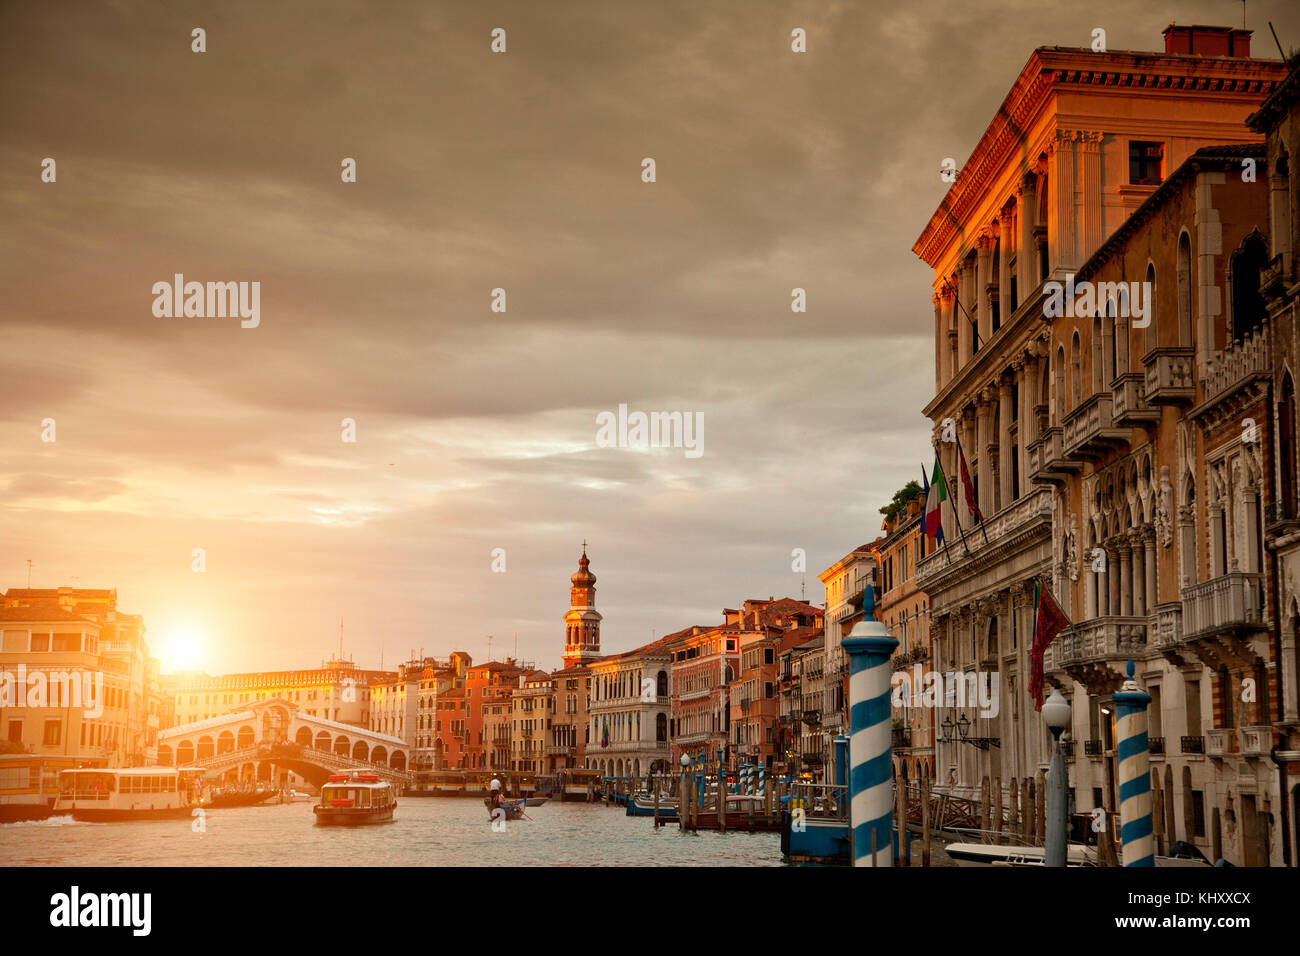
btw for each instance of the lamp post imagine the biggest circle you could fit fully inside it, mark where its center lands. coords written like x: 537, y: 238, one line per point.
x: 871, y: 804
x: 684, y: 761
x: 1056, y: 714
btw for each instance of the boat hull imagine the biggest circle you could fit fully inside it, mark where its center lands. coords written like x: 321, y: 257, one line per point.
x: 352, y: 817
x: 24, y: 812
x: 96, y: 815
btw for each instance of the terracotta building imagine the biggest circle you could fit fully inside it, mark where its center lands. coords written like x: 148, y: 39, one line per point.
x: 1081, y: 142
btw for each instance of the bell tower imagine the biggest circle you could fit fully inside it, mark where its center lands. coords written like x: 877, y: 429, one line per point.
x: 582, y: 623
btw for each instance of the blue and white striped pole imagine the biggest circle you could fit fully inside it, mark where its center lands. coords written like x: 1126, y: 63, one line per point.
x: 841, y: 747
x: 871, y: 749
x: 762, y: 780
x: 1135, y: 832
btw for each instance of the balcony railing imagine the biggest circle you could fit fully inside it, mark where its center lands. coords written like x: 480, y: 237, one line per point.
x: 1220, y: 742
x: 1067, y: 748
x: 1100, y: 639
x: 813, y: 758
x: 1232, y: 602
x: 1193, y: 745
x: 1092, y: 748
x: 1090, y: 430
x: 1169, y: 378
x: 1242, y: 359
x: 1166, y: 633
x: 1256, y: 741
x: 1129, y: 401
x: 559, y: 750
x: 902, y: 736
x: 812, y: 716
x: 1047, y: 459
x: 1156, y: 745
x: 745, y: 703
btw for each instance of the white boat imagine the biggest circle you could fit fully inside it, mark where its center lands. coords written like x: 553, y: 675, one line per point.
x: 986, y: 854
x: 137, y: 793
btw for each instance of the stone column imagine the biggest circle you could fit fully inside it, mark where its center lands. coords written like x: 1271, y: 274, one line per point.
x: 1062, y: 253
x: 1004, y: 442
x: 1139, y: 572
x: 984, y: 438
x: 1089, y: 585
x: 1023, y: 369
x: 1149, y: 539
x: 950, y: 353
x: 1091, y: 231
x: 983, y: 278
x: 940, y: 343
x: 1112, y: 580
x: 1125, y: 578
x: 964, y: 335
x: 1026, y: 252
x: 1004, y: 266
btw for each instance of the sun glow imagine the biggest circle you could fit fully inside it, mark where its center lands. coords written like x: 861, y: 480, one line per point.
x: 182, y: 649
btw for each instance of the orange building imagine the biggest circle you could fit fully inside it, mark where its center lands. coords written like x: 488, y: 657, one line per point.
x: 904, y: 609
x: 485, y: 684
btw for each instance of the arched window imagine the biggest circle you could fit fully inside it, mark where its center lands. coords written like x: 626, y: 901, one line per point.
x: 1099, y: 379
x: 1149, y: 303
x: 1286, y: 445
x: 1185, y: 338
x: 1076, y: 373
x: 1248, y: 311
x: 1060, y: 383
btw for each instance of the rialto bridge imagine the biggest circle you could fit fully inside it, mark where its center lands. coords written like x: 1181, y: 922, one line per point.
x: 265, y: 737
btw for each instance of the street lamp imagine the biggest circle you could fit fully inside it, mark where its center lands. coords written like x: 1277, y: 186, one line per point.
x: 1056, y: 714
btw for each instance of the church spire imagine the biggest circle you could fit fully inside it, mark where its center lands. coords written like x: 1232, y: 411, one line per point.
x: 582, y: 623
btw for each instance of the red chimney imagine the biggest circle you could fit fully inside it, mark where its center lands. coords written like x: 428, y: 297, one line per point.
x: 1207, y: 41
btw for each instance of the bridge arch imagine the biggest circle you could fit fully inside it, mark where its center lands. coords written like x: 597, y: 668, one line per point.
x: 379, y: 754
x: 322, y: 740
x: 164, y: 755
x: 303, y: 737
x: 205, y: 748
x: 246, y: 738
x: 360, y: 751
x: 225, y: 742
x: 341, y: 745
x: 184, y: 753
x: 397, y: 761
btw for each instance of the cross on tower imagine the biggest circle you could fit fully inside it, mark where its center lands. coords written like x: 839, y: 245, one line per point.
x: 584, y: 545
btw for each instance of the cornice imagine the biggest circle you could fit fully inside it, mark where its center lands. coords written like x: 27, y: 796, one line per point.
x: 1051, y: 70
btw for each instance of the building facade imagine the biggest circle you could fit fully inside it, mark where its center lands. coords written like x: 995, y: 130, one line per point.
x: 1082, y: 140
x: 629, y: 712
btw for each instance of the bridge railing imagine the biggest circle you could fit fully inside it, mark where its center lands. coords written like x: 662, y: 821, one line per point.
x: 331, y: 759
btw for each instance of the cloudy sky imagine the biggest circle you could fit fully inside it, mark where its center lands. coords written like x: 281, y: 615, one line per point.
x: 476, y: 429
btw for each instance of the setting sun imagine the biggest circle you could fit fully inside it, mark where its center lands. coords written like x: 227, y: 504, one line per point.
x: 182, y: 649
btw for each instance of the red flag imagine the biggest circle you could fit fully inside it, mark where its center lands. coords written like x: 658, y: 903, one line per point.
x: 968, y: 487
x: 1049, y: 621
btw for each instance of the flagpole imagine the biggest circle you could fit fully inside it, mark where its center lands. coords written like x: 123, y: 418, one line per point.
x: 955, y: 517
x: 981, y: 521
x: 947, y: 553
x: 974, y: 326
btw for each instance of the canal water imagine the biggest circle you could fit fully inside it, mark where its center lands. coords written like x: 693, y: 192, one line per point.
x: 424, y: 832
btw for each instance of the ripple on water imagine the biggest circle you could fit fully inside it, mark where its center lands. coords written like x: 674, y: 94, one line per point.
x: 425, y: 832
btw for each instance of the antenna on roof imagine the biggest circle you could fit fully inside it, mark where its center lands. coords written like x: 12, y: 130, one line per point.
x: 1243, y: 14
x: 489, y: 657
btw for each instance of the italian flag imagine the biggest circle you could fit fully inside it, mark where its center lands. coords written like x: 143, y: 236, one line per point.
x: 936, y: 493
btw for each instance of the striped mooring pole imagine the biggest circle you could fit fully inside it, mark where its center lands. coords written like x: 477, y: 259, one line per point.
x: 762, y: 780
x: 871, y: 746
x: 1135, y: 833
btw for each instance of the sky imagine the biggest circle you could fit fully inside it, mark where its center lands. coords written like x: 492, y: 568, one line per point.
x: 475, y: 429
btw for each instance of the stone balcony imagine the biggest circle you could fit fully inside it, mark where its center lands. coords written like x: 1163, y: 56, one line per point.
x: 1221, y: 742
x: 1090, y: 430
x: 1169, y: 376
x: 1094, y: 652
x: 1255, y: 742
x: 1129, y: 402
x: 1243, y: 360
x: 1165, y: 632
x: 1048, y: 462
x: 1230, y: 604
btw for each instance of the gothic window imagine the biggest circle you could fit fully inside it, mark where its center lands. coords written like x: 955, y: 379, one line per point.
x: 1185, y: 338
x: 1076, y: 373
x: 1286, y: 446
x: 1247, y: 304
